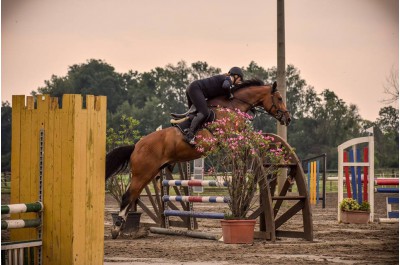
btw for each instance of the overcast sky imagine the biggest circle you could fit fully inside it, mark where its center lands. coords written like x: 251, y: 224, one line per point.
x: 347, y: 46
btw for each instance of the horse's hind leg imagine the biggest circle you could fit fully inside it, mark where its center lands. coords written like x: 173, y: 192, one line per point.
x: 129, y: 199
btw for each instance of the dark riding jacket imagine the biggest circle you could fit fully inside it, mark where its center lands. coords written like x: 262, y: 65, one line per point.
x: 214, y: 86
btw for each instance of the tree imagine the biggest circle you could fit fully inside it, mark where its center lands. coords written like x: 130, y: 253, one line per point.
x: 388, y: 120
x: 126, y: 134
x: 391, y: 88
x: 94, y: 77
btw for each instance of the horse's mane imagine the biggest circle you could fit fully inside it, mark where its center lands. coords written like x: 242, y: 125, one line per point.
x: 250, y: 82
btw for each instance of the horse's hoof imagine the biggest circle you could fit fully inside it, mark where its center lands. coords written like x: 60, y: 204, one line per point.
x: 115, y: 232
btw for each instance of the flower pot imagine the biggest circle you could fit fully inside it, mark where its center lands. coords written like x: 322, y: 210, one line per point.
x: 132, y: 221
x: 238, y: 231
x: 355, y: 217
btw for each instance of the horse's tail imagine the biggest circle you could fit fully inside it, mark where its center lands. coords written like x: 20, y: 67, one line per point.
x: 118, y: 160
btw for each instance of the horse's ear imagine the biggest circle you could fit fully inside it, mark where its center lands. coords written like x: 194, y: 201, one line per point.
x: 274, y: 85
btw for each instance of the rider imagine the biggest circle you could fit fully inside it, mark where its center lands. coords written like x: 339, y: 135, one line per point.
x: 208, y: 88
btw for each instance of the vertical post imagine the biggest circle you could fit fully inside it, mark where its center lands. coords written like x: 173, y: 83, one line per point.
x: 340, y: 179
x: 281, y: 78
x: 371, y: 150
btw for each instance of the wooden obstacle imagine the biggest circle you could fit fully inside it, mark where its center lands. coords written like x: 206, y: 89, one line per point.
x: 392, y: 216
x: 360, y: 186
x: 316, y: 172
x: 352, y: 162
x: 270, y: 211
x: 64, y: 149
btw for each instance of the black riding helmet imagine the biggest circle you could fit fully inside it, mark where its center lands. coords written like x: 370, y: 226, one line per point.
x: 236, y: 71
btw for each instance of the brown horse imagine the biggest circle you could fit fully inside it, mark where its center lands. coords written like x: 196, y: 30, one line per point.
x: 161, y: 148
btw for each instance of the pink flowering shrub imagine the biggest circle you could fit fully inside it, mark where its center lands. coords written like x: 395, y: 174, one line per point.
x: 238, y: 153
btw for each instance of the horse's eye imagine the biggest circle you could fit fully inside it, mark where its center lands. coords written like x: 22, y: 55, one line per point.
x: 280, y: 99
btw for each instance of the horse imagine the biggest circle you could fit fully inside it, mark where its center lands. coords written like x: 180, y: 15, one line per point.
x: 167, y: 146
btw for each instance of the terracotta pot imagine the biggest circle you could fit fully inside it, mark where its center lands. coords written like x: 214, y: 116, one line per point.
x: 238, y: 231
x: 355, y: 217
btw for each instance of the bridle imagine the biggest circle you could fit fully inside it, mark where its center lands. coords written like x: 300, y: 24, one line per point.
x: 254, y: 108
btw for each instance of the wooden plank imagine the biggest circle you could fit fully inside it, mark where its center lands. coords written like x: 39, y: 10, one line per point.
x: 18, y: 105
x: 149, y: 212
x: 82, y: 219
x: 26, y: 180
x: 99, y: 179
x: 53, y: 256
x: 282, y: 193
x: 157, y: 185
x: 268, y: 224
x: 48, y: 186
x: 91, y: 137
x: 291, y: 234
x: 288, y: 198
x: 67, y: 140
x: 152, y: 201
x: 289, y: 214
x: 307, y: 215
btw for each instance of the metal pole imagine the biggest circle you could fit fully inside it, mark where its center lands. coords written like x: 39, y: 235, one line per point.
x: 281, y: 77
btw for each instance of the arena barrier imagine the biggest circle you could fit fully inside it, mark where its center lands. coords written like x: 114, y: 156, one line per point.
x: 63, y: 149
x: 315, y: 169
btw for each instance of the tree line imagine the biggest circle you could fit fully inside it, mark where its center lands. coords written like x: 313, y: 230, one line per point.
x: 320, y: 121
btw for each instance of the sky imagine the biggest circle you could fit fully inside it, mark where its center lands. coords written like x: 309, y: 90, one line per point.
x: 348, y: 46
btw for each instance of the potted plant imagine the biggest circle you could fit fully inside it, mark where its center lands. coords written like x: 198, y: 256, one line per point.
x: 354, y: 213
x: 238, y: 159
x: 126, y: 134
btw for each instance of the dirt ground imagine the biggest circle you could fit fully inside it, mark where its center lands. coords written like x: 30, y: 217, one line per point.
x: 333, y: 243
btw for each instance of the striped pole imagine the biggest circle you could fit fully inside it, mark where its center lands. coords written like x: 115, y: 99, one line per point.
x: 346, y: 172
x: 20, y: 223
x: 387, y: 181
x: 215, y: 199
x: 193, y: 183
x: 359, y: 184
x: 206, y: 215
x: 22, y: 208
x: 387, y: 190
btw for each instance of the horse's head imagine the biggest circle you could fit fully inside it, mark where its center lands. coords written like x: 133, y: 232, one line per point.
x: 253, y: 93
x: 274, y: 105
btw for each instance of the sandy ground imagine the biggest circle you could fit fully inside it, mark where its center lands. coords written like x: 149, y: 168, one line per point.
x: 333, y: 243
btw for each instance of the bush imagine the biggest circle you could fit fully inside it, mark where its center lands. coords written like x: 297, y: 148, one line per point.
x: 350, y: 204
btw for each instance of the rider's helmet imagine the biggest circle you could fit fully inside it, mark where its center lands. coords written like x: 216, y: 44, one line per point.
x: 236, y: 71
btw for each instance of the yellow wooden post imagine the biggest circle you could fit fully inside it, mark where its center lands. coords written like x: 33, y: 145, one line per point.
x: 73, y: 175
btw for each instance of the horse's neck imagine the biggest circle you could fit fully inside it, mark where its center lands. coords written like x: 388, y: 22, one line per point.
x: 244, y: 102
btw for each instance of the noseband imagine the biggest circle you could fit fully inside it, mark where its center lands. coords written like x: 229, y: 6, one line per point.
x: 279, y: 113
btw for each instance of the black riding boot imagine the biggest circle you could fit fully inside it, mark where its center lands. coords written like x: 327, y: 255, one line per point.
x: 194, y: 126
